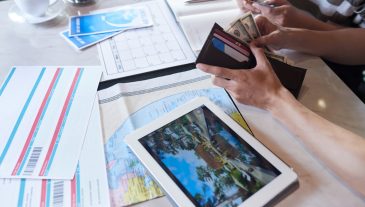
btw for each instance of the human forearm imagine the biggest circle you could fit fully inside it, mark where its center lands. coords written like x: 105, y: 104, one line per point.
x: 306, y: 21
x: 345, y: 46
x: 341, y: 150
x: 287, y: 15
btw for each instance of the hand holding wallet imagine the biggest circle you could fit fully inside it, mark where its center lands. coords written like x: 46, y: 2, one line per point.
x: 224, y: 50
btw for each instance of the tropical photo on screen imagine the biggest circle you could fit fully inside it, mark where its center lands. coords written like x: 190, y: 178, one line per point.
x: 210, y: 163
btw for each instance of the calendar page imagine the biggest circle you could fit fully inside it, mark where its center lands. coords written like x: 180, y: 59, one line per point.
x: 146, y: 49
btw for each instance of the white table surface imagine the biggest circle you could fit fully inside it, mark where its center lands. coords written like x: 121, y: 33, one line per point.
x: 323, y: 92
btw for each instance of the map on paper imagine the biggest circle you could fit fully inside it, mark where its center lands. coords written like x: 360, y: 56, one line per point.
x: 128, y: 180
x: 146, y: 49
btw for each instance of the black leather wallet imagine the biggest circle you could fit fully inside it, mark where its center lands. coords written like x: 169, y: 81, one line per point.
x: 226, y: 54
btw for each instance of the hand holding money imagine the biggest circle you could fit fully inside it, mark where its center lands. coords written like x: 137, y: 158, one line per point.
x: 280, y: 12
x: 246, y: 30
x: 274, y: 36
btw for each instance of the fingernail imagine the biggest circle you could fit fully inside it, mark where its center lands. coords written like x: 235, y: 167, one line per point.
x: 200, y: 66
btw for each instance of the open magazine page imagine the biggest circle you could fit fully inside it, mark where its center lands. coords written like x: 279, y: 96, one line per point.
x: 126, y: 107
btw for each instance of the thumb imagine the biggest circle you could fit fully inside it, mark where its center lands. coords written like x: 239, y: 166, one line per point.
x: 259, y: 54
x: 262, y: 41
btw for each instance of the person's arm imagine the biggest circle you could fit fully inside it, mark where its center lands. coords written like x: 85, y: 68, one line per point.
x: 341, y: 150
x: 345, y: 46
x: 286, y: 15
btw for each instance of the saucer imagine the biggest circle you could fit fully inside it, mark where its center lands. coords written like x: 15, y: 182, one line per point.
x: 54, y: 9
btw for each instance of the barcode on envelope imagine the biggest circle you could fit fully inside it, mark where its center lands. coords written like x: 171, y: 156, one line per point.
x: 32, y: 162
x: 58, y: 193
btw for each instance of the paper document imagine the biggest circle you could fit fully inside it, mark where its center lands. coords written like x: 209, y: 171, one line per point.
x: 89, y: 186
x: 180, y: 8
x: 126, y: 107
x: 197, y: 19
x: 102, y: 24
x: 197, y: 27
x: 44, y: 117
x: 146, y: 49
x: 82, y: 42
x: 120, y: 19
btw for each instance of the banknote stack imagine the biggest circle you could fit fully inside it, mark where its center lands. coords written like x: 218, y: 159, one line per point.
x: 245, y: 29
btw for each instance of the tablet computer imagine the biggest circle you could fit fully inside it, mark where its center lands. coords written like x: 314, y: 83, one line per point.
x: 201, y: 157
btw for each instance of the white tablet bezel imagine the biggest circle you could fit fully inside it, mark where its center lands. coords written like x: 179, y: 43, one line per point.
x: 260, y: 198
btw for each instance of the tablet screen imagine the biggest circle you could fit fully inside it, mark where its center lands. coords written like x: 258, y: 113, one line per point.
x: 209, y: 162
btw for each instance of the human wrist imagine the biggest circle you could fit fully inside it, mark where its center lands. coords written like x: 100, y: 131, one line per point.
x: 278, y: 102
x: 287, y: 37
x: 297, y: 39
x: 307, y: 41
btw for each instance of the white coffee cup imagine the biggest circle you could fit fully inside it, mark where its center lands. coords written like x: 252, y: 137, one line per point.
x: 35, y: 8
